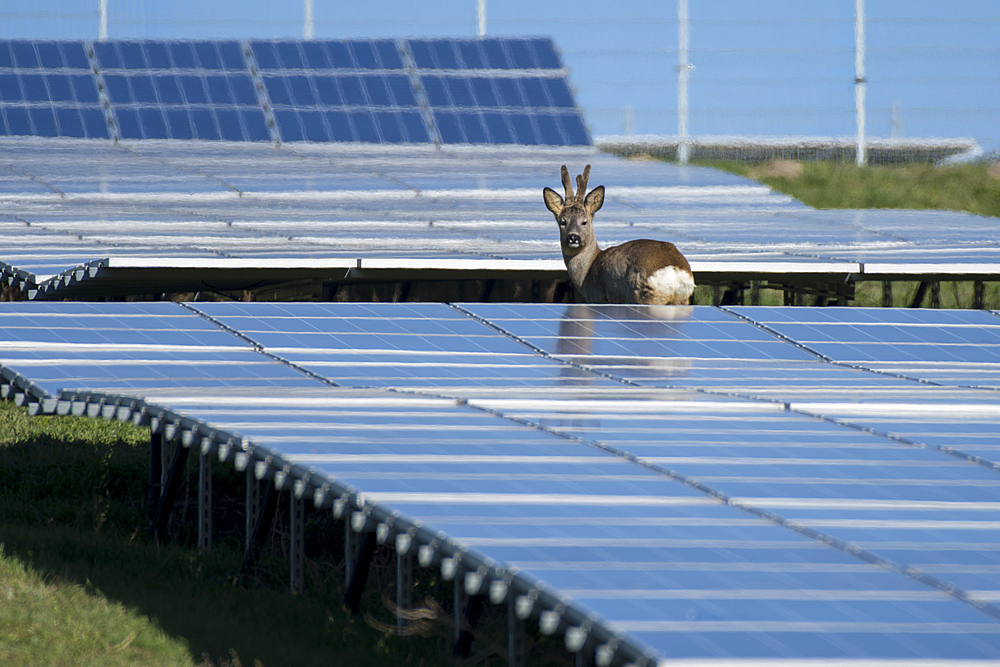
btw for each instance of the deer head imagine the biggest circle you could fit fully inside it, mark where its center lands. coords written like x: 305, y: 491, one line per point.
x: 575, y: 214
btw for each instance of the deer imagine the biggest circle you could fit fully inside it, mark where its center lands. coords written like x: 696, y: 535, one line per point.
x: 641, y: 271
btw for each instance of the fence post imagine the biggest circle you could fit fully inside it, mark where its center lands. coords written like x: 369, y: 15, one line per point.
x: 102, y: 28
x: 683, y: 72
x: 860, y: 82
x: 308, y: 28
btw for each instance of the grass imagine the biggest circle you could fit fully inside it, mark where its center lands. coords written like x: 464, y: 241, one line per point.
x: 974, y: 188
x: 82, y: 582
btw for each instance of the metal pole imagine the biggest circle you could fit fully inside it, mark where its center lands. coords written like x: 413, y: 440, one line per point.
x: 860, y: 82
x: 683, y: 72
x: 102, y: 31
x: 307, y: 26
x: 481, y: 16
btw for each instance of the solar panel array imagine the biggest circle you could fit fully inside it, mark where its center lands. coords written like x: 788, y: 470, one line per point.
x: 702, y: 483
x: 84, y: 219
x: 483, y: 91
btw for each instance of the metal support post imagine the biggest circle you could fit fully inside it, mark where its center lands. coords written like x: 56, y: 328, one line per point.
x: 359, y: 577
x: 169, y: 495
x: 515, y: 634
x: 262, y: 526
x: 470, y: 621
x: 155, y: 474
x: 296, y: 559
x: 404, y: 588
x: 459, y: 601
x: 887, y: 294
x: 351, y: 548
x: 253, y: 506
x: 978, y: 294
x: 204, y: 502
x: 919, y: 294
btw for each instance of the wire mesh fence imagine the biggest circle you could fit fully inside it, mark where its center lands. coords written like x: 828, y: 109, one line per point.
x: 763, y: 74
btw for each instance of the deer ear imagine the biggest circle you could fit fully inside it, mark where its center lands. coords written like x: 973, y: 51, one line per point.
x: 553, y: 201
x: 595, y: 200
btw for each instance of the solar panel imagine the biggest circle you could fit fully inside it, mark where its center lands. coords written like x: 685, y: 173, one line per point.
x: 48, y: 90
x: 186, y: 90
x: 355, y: 91
x: 131, y: 349
x: 946, y: 347
x: 694, y: 523
x: 688, y: 576
x: 389, y: 207
x: 799, y: 358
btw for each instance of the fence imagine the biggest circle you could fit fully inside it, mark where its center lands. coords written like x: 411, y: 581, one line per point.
x: 772, y: 68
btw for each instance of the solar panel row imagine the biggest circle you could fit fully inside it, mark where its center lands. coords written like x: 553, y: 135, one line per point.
x: 248, y: 206
x: 47, y: 89
x: 712, y: 484
x: 351, y: 90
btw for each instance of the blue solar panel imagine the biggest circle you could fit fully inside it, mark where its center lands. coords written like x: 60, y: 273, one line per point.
x: 352, y: 90
x: 182, y: 54
x: 695, y: 524
x: 535, y: 109
x: 43, y: 91
x: 107, y: 54
x: 330, y: 91
x: 182, y: 90
x: 49, y: 55
x: 25, y: 55
x: 213, y: 78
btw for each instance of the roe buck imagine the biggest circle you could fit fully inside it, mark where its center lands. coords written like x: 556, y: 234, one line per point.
x: 640, y: 271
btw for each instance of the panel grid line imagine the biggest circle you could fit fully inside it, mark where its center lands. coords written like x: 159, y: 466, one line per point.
x: 788, y: 406
x: 257, y: 347
x: 820, y: 537
x: 805, y: 531
x: 819, y: 355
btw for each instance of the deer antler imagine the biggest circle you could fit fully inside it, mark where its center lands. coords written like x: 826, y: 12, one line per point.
x: 567, y: 184
x: 581, y: 183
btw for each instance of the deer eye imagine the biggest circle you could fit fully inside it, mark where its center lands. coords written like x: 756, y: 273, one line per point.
x: 583, y: 224
x: 562, y: 222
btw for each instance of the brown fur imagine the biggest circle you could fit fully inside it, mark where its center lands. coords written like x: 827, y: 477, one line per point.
x: 623, y: 271
x: 616, y: 275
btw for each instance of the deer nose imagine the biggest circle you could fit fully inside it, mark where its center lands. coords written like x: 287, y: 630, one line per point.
x: 573, y: 240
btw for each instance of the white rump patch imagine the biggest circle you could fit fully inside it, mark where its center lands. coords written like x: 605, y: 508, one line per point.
x: 672, y: 285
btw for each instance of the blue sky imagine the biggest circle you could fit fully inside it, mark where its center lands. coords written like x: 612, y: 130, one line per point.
x: 770, y: 67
